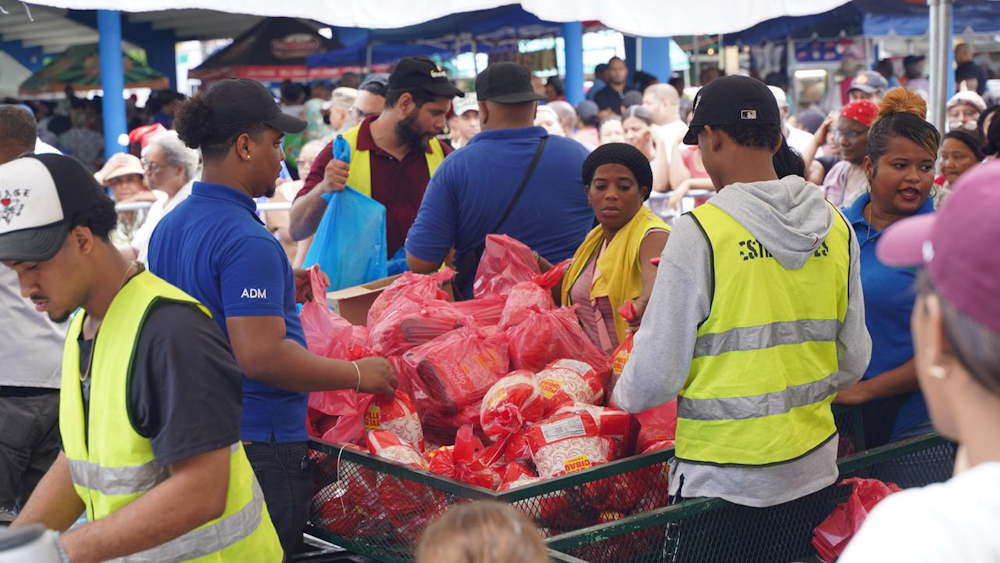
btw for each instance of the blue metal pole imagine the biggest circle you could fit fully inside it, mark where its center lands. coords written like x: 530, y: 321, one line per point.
x: 573, y: 50
x: 656, y: 57
x: 109, y: 29
x: 631, y: 58
x: 948, y: 33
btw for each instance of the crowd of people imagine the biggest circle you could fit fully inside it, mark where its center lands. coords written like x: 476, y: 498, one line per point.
x: 790, y: 266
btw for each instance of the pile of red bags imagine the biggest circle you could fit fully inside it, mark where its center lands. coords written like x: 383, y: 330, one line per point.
x: 505, y: 263
x: 831, y: 537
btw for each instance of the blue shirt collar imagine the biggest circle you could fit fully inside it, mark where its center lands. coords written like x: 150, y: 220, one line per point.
x: 856, y: 212
x: 516, y: 133
x: 227, y: 194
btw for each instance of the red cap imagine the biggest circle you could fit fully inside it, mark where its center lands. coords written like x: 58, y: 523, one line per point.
x: 862, y: 111
x: 957, y: 246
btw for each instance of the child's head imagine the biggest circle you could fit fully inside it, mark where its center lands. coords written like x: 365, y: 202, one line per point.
x: 482, y: 532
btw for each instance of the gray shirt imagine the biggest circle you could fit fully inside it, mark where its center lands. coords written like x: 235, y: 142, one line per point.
x: 790, y: 218
x: 30, y: 343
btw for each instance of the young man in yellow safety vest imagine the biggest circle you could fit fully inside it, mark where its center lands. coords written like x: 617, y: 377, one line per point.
x: 756, y: 320
x: 393, y: 154
x: 150, y: 401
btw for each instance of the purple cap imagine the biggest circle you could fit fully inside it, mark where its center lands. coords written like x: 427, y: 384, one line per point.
x: 957, y: 246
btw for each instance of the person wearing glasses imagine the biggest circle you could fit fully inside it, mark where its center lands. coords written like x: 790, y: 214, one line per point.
x: 170, y: 168
x: 846, y: 180
x: 370, y: 99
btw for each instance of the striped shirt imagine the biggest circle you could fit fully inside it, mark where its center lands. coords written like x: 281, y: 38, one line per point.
x: 597, y: 317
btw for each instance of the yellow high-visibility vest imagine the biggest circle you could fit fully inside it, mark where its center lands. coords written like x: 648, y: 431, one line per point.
x: 113, y: 465
x: 360, y: 176
x: 765, y: 369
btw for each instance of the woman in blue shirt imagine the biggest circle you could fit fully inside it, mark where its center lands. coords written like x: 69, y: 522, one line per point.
x: 902, y: 149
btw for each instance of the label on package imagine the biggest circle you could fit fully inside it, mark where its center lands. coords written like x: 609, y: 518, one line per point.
x: 569, y: 428
x: 372, y: 418
x: 578, y: 463
x: 550, y: 386
x: 500, y: 395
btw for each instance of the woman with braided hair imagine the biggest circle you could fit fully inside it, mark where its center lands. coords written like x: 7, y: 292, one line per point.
x: 902, y: 149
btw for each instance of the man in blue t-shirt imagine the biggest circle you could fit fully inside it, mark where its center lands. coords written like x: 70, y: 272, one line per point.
x: 214, y: 247
x: 469, y: 193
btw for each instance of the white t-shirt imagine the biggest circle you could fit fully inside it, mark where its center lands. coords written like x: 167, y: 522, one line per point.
x: 953, y: 521
x: 669, y: 133
x: 30, y: 344
x: 799, y: 139
x: 159, y: 209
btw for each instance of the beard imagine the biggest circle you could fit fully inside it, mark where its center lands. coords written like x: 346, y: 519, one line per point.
x: 411, y: 137
x: 270, y: 193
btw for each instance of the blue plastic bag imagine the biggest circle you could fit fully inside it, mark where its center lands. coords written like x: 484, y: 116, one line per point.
x: 349, y: 245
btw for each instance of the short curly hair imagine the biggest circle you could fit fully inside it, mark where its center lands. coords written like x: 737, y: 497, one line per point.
x: 193, y: 123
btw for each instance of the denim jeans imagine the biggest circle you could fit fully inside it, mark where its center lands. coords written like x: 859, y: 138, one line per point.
x: 285, y: 475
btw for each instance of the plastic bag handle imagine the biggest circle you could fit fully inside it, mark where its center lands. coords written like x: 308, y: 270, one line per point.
x: 342, y: 149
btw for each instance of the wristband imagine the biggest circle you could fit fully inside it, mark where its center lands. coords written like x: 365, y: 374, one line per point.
x: 62, y: 550
x: 355, y: 364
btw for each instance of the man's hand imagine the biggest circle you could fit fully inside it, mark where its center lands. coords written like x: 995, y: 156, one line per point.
x: 377, y: 377
x: 857, y: 394
x: 303, y: 289
x: 824, y: 129
x: 335, y: 176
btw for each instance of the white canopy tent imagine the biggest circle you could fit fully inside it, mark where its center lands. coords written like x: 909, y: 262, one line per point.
x: 649, y: 18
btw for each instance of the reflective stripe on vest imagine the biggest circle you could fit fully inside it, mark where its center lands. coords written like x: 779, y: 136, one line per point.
x: 113, y: 465
x: 360, y: 176
x: 764, y: 369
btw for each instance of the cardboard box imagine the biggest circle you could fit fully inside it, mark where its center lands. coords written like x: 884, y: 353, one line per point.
x: 353, y: 303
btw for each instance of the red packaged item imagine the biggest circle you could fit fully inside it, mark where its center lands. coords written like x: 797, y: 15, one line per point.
x: 517, y: 475
x: 831, y: 537
x: 510, y: 403
x: 618, y: 360
x: 463, y: 461
x: 567, y: 382
x: 658, y: 428
x: 515, y: 447
x: 547, y: 336
x: 327, y: 333
x: 397, y: 415
x: 361, y: 412
x: 457, y: 369
x: 535, y: 295
x: 486, y: 311
x: 402, y: 329
x: 442, y: 429
x: 505, y: 263
x: 567, y: 443
x: 410, y: 289
x: 387, y: 445
x: 611, y: 423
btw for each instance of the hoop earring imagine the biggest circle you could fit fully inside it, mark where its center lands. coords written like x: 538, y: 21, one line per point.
x: 934, y: 191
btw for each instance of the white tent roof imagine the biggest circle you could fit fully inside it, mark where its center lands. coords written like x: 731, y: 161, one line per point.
x: 651, y: 18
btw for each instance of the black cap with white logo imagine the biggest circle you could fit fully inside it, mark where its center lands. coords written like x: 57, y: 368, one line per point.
x: 421, y: 72
x: 732, y: 100
x: 39, y: 194
x: 241, y: 100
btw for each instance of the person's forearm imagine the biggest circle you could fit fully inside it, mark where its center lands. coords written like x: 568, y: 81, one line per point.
x: 661, y: 172
x: 678, y: 171
x: 306, y: 213
x: 701, y: 184
x: 891, y: 383
x: 54, y: 503
x: 810, y: 154
x: 169, y: 510
x: 291, y: 367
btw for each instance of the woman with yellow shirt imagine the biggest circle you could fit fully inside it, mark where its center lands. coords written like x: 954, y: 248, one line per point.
x: 612, y: 265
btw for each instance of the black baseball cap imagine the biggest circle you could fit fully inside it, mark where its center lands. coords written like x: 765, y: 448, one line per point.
x: 240, y: 100
x: 39, y: 195
x: 421, y: 72
x: 506, y: 83
x: 731, y: 100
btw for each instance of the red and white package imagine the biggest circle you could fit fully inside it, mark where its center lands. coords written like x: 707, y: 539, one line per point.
x: 512, y: 402
x: 567, y: 443
x: 569, y: 381
x: 505, y: 263
x: 463, y: 461
x: 397, y: 415
x: 515, y: 447
x: 658, y: 428
x: 547, y: 336
x: 402, y: 329
x: 486, y: 311
x: 389, y: 446
x: 517, y: 475
x: 534, y: 295
x: 410, y: 290
x: 611, y: 423
x: 457, y: 369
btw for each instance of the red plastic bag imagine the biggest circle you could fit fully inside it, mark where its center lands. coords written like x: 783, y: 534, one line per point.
x: 464, y: 461
x: 515, y: 447
x: 658, y: 428
x: 410, y: 290
x: 547, y: 336
x: 566, y: 444
x: 618, y: 360
x: 831, y: 537
x: 389, y: 446
x: 505, y: 263
x: 517, y: 475
x: 485, y: 311
x: 510, y: 403
x: 458, y: 368
x: 611, y: 423
x: 327, y: 333
x: 412, y: 324
x: 534, y: 295
x: 361, y: 412
x: 567, y: 382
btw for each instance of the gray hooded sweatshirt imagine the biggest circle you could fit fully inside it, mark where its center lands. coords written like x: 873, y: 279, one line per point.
x: 791, y: 219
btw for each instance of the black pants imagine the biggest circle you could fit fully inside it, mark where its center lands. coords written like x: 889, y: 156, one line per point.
x: 29, y: 443
x: 285, y: 475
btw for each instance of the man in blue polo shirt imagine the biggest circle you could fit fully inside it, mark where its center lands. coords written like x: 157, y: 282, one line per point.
x: 469, y: 194
x: 214, y: 247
